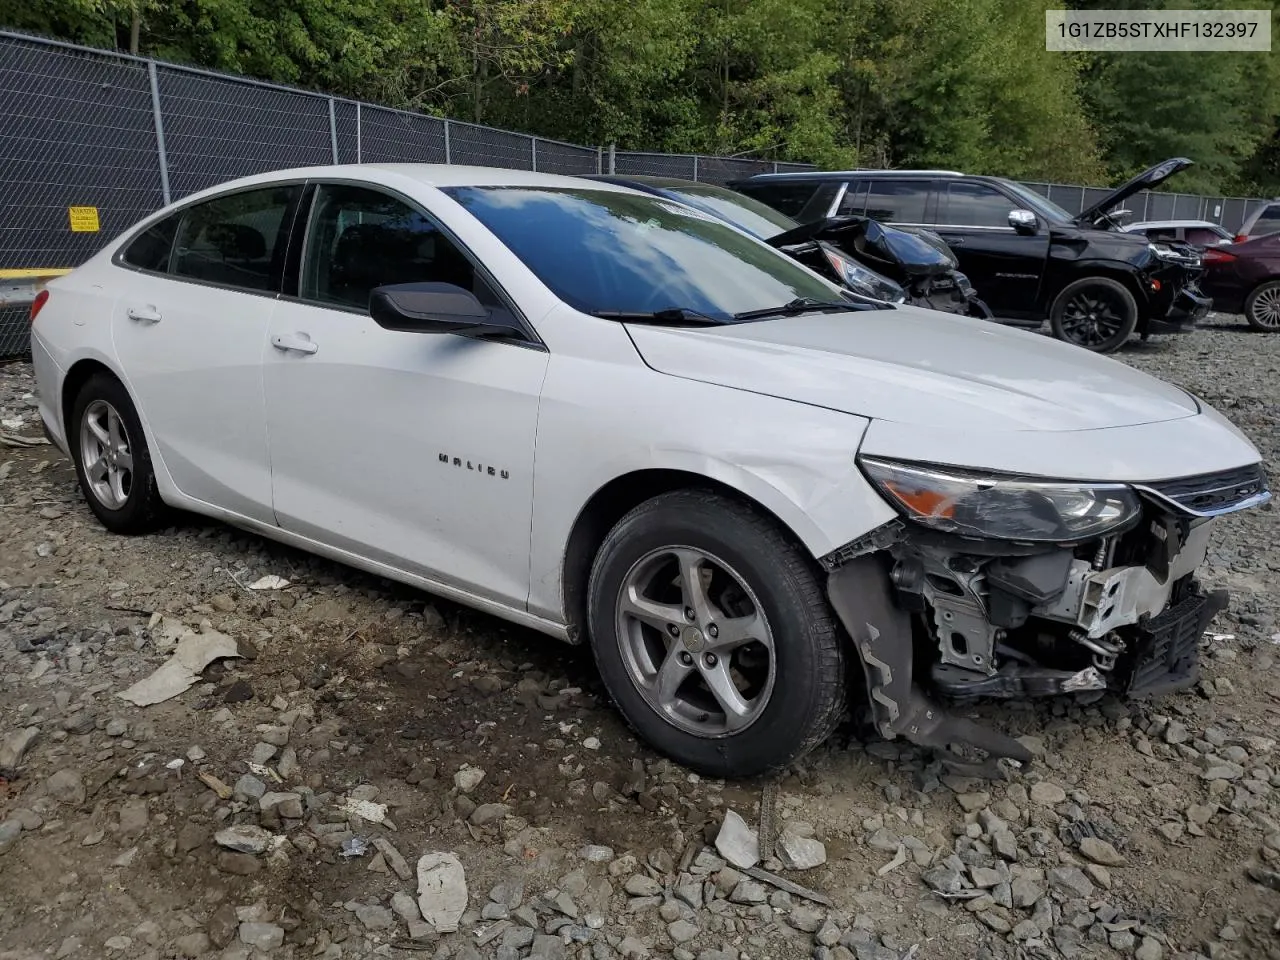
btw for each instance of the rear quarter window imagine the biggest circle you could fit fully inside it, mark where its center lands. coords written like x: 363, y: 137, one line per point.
x: 784, y: 196
x: 150, y: 250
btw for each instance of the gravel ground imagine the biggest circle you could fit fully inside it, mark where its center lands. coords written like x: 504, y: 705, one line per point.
x: 280, y: 806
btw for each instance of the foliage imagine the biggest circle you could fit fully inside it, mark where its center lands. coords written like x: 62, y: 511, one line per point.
x: 952, y: 83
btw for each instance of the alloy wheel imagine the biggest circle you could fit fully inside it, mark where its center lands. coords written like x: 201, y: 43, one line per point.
x: 1265, y: 309
x: 107, y: 454
x: 1090, y: 319
x: 695, y: 641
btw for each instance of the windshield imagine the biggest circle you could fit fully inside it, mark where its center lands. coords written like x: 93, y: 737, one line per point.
x: 611, y: 252
x: 751, y: 215
x: 1038, y: 204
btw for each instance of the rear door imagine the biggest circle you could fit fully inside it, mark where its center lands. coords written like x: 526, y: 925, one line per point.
x: 1004, y: 266
x: 190, y: 330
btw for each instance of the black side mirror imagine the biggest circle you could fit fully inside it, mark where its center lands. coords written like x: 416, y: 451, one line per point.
x: 436, y: 308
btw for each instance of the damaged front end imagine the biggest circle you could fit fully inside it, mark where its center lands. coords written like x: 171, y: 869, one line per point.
x: 1011, y: 588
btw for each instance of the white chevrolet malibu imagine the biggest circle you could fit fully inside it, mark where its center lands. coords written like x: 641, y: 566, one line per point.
x: 612, y: 419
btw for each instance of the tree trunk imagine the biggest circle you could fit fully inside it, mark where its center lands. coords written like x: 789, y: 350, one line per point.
x: 135, y: 30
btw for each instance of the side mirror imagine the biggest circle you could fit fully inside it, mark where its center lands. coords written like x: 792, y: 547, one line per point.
x: 436, y: 308
x: 1023, y: 221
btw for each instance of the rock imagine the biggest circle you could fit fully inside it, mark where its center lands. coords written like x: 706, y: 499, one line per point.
x: 442, y: 888
x: 133, y: 817
x: 116, y: 727
x: 969, y: 802
x: 250, y: 786
x: 285, y: 804
x: 1149, y: 949
x: 263, y: 752
x: 509, y: 893
x: 468, y: 778
x: 748, y: 892
x: 1201, y: 813
x: 374, y: 917
x: 1047, y: 794
x: 487, y: 813
x: 682, y: 931
x: 944, y: 879
x: 238, y: 864
x: 1171, y: 831
x: 1099, y: 851
x: 393, y: 858
x: 642, y: 885
x: 828, y: 934
x: 1071, y: 882
x: 1025, y: 892
x: 984, y: 878
x: 10, y: 830
x: 67, y: 787
x: 806, y: 919
x: 193, y: 945
x: 1025, y: 930
x: 1222, y: 770
x: 264, y: 936
x: 800, y: 853
x: 245, y: 838
x: 594, y: 853
x: 222, y: 925
x: 14, y: 747
x: 1176, y: 733
x: 737, y: 842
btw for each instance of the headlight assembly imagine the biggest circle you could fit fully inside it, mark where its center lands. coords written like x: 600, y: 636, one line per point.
x: 971, y: 504
x: 863, y: 280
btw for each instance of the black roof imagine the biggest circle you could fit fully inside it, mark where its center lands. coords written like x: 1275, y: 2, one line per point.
x: 811, y: 176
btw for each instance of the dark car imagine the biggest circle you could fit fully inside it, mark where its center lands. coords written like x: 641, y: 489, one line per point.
x: 1245, y: 278
x: 871, y: 260
x: 1027, y: 256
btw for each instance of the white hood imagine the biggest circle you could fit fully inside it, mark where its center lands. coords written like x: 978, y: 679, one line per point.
x: 915, y: 366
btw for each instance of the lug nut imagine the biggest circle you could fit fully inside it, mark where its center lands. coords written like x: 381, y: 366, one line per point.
x: 673, y: 629
x: 686, y: 659
x: 689, y: 614
x: 709, y: 660
x: 713, y: 631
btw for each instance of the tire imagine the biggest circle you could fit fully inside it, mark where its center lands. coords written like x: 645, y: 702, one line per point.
x: 1096, y: 313
x: 124, y: 496
x: 1262, y: 307
x: 753, y: 573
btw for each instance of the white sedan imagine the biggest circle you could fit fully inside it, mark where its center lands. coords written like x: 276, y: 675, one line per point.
x: 610, y: 418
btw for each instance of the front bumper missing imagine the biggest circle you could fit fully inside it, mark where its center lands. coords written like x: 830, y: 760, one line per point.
x: 881, y: 632
x: 1165, y: 656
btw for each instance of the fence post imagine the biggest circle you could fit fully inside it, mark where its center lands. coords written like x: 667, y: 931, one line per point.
x: 599, y: 159
x: 1083, y: 196
x: 159, y: 122
x: 613, y: 158
x: 695, y: 166
x: 775, y: 166
x: 533, y: 153
x: 447, y: 155
x: 333, y: 130
x: 1146, y: 203
x: 359, y: 135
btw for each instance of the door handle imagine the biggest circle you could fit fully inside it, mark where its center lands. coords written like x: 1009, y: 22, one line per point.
x: 953, y: 241
x: 297, y: 343
x: 147, y: 314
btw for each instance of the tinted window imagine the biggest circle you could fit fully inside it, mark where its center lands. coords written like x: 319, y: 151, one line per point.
x: 1268, y: 221
x: 359, y: 239
x: 637, y: 254
x: 1205, y: 237
x: 819, y: 204
x: 742, y: 211
x: 976, y: 205
x: 150, y: 249
x: 854, y: 201
x: 897, y: 201
x: 239, y: 240
x: 787, y: 196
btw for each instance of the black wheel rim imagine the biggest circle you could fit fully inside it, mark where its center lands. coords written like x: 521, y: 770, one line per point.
x: 1093, y: 316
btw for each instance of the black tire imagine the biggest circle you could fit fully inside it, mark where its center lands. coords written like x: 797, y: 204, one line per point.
x: 1262, y: 307
x: 142, y: 510
x: 807, y: 699
x: 1096, y: 313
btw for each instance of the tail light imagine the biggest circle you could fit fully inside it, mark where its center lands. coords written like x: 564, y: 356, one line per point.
x: 1217, y: 255
x: 38, y: 303
x: 1240, y: 238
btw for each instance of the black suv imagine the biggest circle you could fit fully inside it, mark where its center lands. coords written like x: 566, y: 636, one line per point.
x: 1025, y: 256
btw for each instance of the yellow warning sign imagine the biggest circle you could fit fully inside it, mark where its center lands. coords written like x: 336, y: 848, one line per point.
x: 83, y: 219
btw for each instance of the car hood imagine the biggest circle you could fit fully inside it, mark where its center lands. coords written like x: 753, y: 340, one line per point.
x: 910, y: 365
x: 1151, y: 177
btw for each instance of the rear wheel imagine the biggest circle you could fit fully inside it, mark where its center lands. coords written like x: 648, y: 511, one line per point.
x: 1262, y: 308
x: 714, y: 636
x: 1096, y: 313
x: 111, y: 457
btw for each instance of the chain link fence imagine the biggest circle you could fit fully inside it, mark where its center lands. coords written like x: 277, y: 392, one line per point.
x: 91, y: 141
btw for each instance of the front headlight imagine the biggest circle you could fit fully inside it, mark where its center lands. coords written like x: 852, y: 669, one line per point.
x: 863, y: 280
x: 1162, y: 251
x: 972, y: 504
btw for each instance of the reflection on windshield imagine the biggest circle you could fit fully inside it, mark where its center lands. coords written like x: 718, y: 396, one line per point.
x: 619, y: 252
x: 1039, y: 203
x: 751, y: 215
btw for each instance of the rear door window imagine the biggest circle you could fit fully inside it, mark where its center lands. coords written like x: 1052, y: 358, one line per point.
x: 239, y: 240
x: 854, y: 201
x: 974, y: 205
x: 1204, y: 237
x: 897, y: 201
x: 785, y: 196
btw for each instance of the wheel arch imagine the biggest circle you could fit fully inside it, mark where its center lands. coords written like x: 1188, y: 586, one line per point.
x: 611, y: 503
x: 76, y: 377
x: 1112, y: 270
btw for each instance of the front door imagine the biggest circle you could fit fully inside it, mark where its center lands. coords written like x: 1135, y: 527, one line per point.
x: 1004, y: 266
x: 410, y: 449
x: 190, y: 330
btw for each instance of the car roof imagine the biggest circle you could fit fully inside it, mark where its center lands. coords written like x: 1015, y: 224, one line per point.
x: 672, y: 183
x: 1152, y: 224
x: 430, y: 174
x: 852, y: 174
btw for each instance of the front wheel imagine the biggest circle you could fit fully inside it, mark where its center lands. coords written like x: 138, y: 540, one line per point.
x: 1262, y: 308
x: 1096, y: 313
x: 713, y: 635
